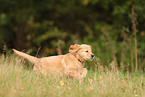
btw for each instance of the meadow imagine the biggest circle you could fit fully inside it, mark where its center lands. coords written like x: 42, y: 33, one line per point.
x: 16, y: 80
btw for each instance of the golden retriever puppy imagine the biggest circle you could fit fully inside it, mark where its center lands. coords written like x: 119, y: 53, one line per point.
x: 70, y: 64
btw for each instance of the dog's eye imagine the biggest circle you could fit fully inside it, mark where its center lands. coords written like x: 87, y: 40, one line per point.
x: 86, y: 51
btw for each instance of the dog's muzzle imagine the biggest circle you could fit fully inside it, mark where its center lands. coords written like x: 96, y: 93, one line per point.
x: 92, y: 56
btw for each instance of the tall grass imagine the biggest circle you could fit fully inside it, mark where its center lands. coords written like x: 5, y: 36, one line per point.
x: 16, y: 81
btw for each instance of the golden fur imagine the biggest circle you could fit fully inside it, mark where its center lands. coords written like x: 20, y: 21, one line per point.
x: 70, y: 64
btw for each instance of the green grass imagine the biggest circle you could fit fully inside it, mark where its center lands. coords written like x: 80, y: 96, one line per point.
x: 16, y: 81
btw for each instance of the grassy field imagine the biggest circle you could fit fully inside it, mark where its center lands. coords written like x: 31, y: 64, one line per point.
x: 17, y: 81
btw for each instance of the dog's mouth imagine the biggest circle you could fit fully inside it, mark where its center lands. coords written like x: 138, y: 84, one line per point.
x: 90, y: 58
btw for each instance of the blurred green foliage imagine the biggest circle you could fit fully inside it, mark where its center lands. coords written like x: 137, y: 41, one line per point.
x: 30, y: 24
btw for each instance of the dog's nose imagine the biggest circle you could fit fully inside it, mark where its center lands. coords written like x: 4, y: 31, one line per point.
x: 92, y: 56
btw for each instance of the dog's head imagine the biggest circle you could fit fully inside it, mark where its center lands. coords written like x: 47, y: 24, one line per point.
x: 84, y: 51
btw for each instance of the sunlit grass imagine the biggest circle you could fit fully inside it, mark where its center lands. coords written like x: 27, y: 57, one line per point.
x: 16, y: 81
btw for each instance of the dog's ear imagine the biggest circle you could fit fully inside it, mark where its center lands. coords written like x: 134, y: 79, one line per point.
x: 74, y: 48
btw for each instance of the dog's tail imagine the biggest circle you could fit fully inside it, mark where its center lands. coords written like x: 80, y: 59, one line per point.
x: 26, y: 56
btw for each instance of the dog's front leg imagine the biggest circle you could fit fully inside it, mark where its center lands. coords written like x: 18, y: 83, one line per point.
x: 75, y: 74
x: 84, y: 72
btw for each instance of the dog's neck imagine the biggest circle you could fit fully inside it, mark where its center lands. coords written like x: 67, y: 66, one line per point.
x: 79, y: 59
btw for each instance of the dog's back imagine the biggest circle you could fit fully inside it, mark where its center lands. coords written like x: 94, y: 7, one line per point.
x: 52, y: 64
